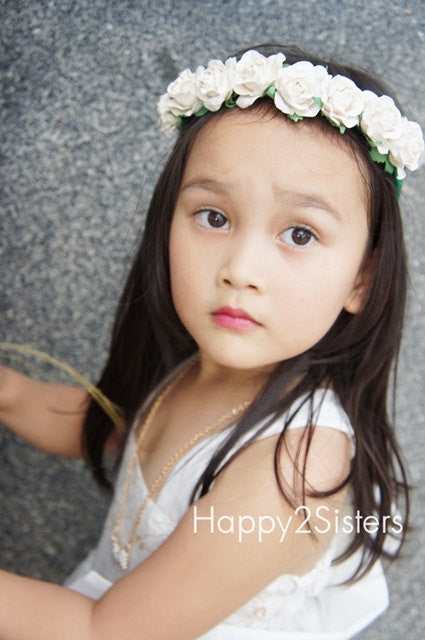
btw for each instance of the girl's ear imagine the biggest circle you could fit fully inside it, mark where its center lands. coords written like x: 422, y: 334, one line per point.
x: 357, y: 298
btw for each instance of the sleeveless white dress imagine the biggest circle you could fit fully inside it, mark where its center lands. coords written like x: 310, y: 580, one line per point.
x: 310, y: 607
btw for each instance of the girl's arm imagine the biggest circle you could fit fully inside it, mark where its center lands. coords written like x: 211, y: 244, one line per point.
x: 47, y: 415
x: 206, y: 569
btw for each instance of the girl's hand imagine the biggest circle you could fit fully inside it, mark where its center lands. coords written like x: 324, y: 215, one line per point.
x: 6, y: 388
x: 47, y: 415
x: 3, y: 372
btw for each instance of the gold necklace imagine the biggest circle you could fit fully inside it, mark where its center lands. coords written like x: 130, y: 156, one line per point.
x: 120, y: 551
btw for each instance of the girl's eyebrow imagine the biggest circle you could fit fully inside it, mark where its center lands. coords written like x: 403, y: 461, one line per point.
x: 308, y: 200
x: 209, y: 184
x: 300, y: 200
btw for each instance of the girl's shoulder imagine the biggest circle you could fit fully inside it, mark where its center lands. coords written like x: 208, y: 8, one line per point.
x: 320, y: 409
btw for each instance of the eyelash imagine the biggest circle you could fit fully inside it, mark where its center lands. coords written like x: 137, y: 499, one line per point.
x: 300, y: 227
x: 203, y: 215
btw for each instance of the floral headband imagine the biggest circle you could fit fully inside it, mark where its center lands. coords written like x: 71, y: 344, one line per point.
x: 301, y: 90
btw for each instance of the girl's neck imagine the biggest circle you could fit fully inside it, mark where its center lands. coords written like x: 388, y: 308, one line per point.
x: 209, y: 375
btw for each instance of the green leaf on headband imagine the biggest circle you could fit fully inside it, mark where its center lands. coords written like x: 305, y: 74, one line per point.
x: 376, y: 156
x: 181, y: 120
x: 342, y: 128
x: 318, y: 101
x: 231, y: 102
x: 295, y: 117
x: 334, y: 124
x: 390, y: 168
x: 270, y: 91
x: 398, y: 186
x: 201, y: 112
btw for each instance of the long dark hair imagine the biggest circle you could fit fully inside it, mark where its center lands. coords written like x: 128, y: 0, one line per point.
x: 357, y: 356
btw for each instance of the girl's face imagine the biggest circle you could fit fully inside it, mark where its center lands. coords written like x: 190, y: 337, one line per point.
x: 267, y: 240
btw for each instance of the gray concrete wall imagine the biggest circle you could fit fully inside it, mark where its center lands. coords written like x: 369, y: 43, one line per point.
x: 79, y: 146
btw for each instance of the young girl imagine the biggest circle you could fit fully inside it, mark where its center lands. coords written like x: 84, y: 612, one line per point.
x: 251, y: 355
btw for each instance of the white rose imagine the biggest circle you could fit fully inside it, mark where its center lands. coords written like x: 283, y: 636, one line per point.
x: 168, y: 120
x: 297, y: 86
x: 381, y: 120
x: 408, y: 150
x: 183, y: 100
x: 252, y: 74
x: 343, y: 101
x: 213, y: 85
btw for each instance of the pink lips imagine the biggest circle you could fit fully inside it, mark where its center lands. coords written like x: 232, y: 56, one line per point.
x: 231, y: 318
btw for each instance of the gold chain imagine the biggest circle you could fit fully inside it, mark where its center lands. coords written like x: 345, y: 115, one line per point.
x: 120, y: 552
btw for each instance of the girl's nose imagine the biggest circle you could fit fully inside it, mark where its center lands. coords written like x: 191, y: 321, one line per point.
x: 243, y: 264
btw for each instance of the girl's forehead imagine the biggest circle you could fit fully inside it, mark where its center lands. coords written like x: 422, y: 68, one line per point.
x: 271, y: 135
x: 256, y: 146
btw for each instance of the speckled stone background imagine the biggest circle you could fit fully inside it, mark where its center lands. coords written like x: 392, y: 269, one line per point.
x: 79, y: 154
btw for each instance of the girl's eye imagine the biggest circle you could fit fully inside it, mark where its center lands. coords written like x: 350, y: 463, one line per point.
x: 211, y: 218
x: 298, y: 236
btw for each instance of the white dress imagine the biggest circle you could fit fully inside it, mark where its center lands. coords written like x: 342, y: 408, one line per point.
x: 310, y: 607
